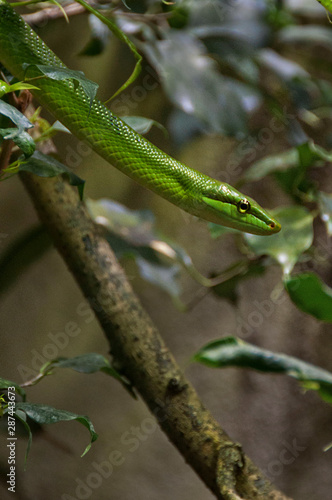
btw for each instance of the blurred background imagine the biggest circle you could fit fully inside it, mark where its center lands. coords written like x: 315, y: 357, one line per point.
x: 225, y: 79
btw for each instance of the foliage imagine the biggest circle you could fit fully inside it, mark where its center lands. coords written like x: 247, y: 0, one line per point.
x: 231, y: 351
x: 26, y: 412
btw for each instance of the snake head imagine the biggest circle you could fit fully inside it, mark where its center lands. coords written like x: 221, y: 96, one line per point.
x: 223, y: 204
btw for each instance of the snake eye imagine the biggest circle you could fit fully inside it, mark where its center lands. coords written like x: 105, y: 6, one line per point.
x: 243, y: 206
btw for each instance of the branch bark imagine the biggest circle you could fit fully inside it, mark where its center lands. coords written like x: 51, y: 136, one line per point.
x: 138, y: 349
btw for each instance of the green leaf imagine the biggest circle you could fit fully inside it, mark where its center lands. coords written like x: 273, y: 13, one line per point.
x: 310, y: 295
x: 136, y: 226
x: 309, y: 34
x: 50, y: 131
x: 4, y: 384
x: 15, y: 116
x: 21, y: 138
x: 5, y: 87
x: 290, y: 165
x: 140, y: 124
x: 55, y: 73
x: 21, y: 86
x: 306, y: 155
x: 59, y: 127
x: 133, y: 234
x: 287, y: 246
x: 217, y: 101
x: 86, y: 363
x: 295, y: 180
x: 320, y: 153
x: 231, y: 351
x: 44, y: 414
x: 21, y: 416
x: 284, y: 68
x: 325, y: 209
x: 47, y: 166
x: 273, y: 163
x: 165, y: 277
x: 327, y: 447
x: 89, y: 363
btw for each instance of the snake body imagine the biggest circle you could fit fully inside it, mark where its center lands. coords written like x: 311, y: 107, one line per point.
x: 119, y: 144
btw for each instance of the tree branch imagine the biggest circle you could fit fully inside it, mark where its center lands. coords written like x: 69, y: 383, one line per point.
x: 42, y: 16
x: 139, y: 351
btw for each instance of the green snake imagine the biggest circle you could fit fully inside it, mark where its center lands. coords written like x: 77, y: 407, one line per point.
x: 119, y: 144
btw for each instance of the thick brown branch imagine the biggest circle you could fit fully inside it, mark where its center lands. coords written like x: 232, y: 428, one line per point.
x: 139, y: 351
